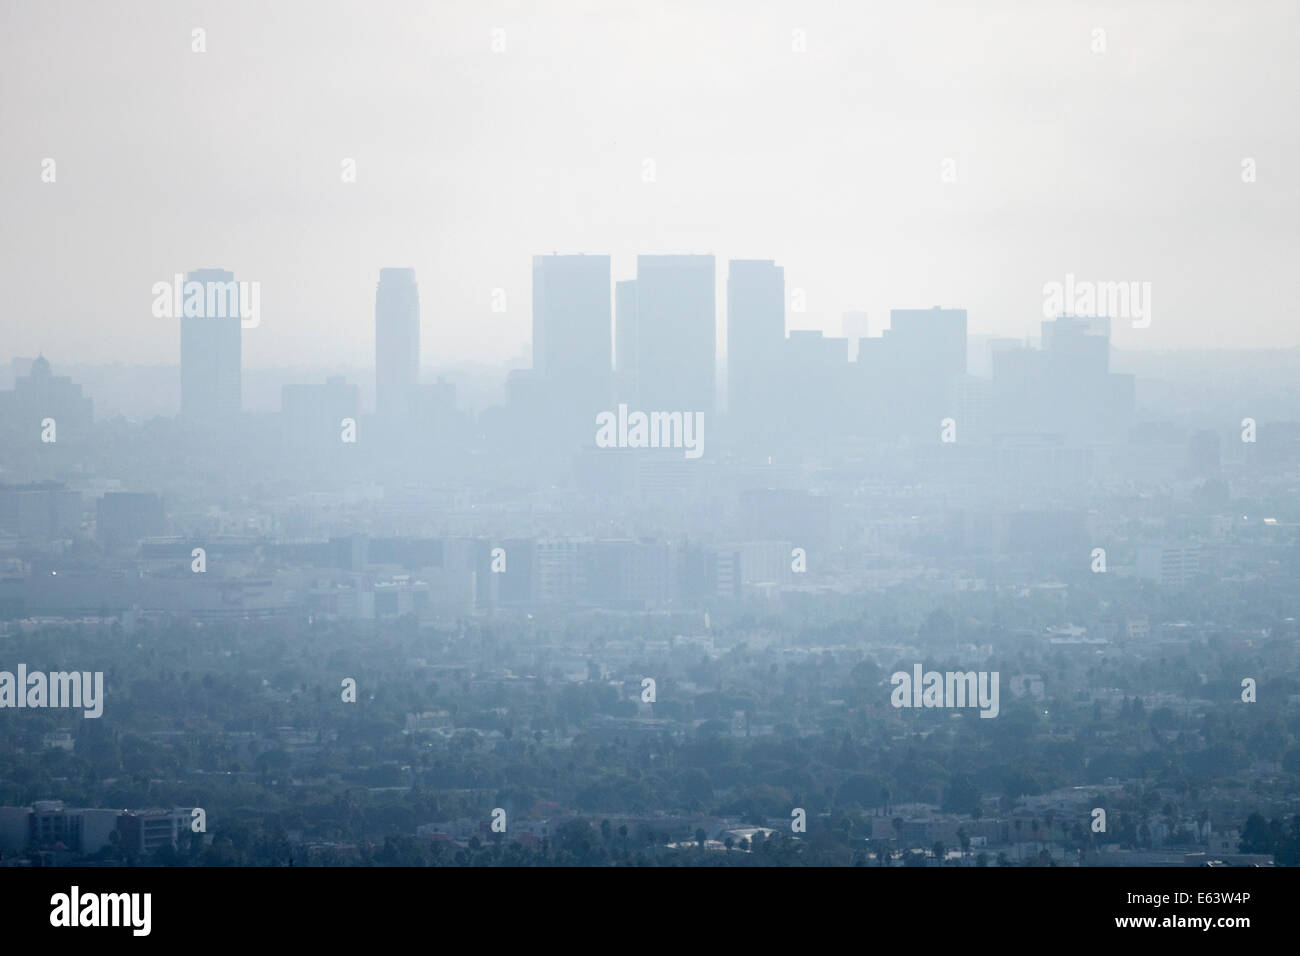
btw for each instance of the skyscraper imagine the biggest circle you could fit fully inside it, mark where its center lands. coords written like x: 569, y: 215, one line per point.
x: 625, y: 325
x: 397, y: 341
x: 755, y: 340
x: 210, y: 354
x: 911, y: 375
x: 571, y: 316
x: 676, y: 330
x: 572, y: 349
x: 41, y: 394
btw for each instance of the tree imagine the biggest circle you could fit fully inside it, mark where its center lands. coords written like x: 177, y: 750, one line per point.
x: 960, y: 796
x: 1256, y: 835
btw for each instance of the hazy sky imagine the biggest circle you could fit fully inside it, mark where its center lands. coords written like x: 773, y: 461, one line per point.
x: 1122, y: 165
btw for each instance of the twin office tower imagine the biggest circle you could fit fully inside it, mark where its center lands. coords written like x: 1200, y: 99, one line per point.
x: 655, y: 349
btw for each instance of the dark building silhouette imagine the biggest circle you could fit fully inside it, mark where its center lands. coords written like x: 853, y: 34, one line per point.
x: 122, y: 518
x: 40, y: 511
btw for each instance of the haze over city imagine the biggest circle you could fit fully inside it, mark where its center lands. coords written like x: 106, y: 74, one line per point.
x: 692, y: 436
x: 1122, y: 164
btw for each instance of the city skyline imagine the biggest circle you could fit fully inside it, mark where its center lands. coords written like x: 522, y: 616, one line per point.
x: 831, y: 161
x: 697, y: 435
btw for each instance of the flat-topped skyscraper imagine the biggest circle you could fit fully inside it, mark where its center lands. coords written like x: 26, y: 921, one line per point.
x: 912, y: 373
x: 211, y: 379
x: 755, y: 340
x: 676, y: 333
x: 571, y: 316
x: 572, y: 325
x: 397, y: 340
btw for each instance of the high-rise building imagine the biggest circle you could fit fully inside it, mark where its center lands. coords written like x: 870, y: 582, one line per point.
x: 912, y: 372
x: 755, y: 341
x: 397, y: 341
x: 41, y: 394
x: 572, y: 342
x: 625, y: 326
x: 816, y: 369
x: 1065, y: 388
x: 210, y: 354
x: 676, y: 333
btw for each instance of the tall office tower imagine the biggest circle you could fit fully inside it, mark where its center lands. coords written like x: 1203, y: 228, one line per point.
x: 917, y: 368
x: 625, y: 326
x: 572, y: 351
x: 853, y: 326
x: 397, y: 341
x: 755, y: 343
x: 210, y: 352
x: 676, y: 330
